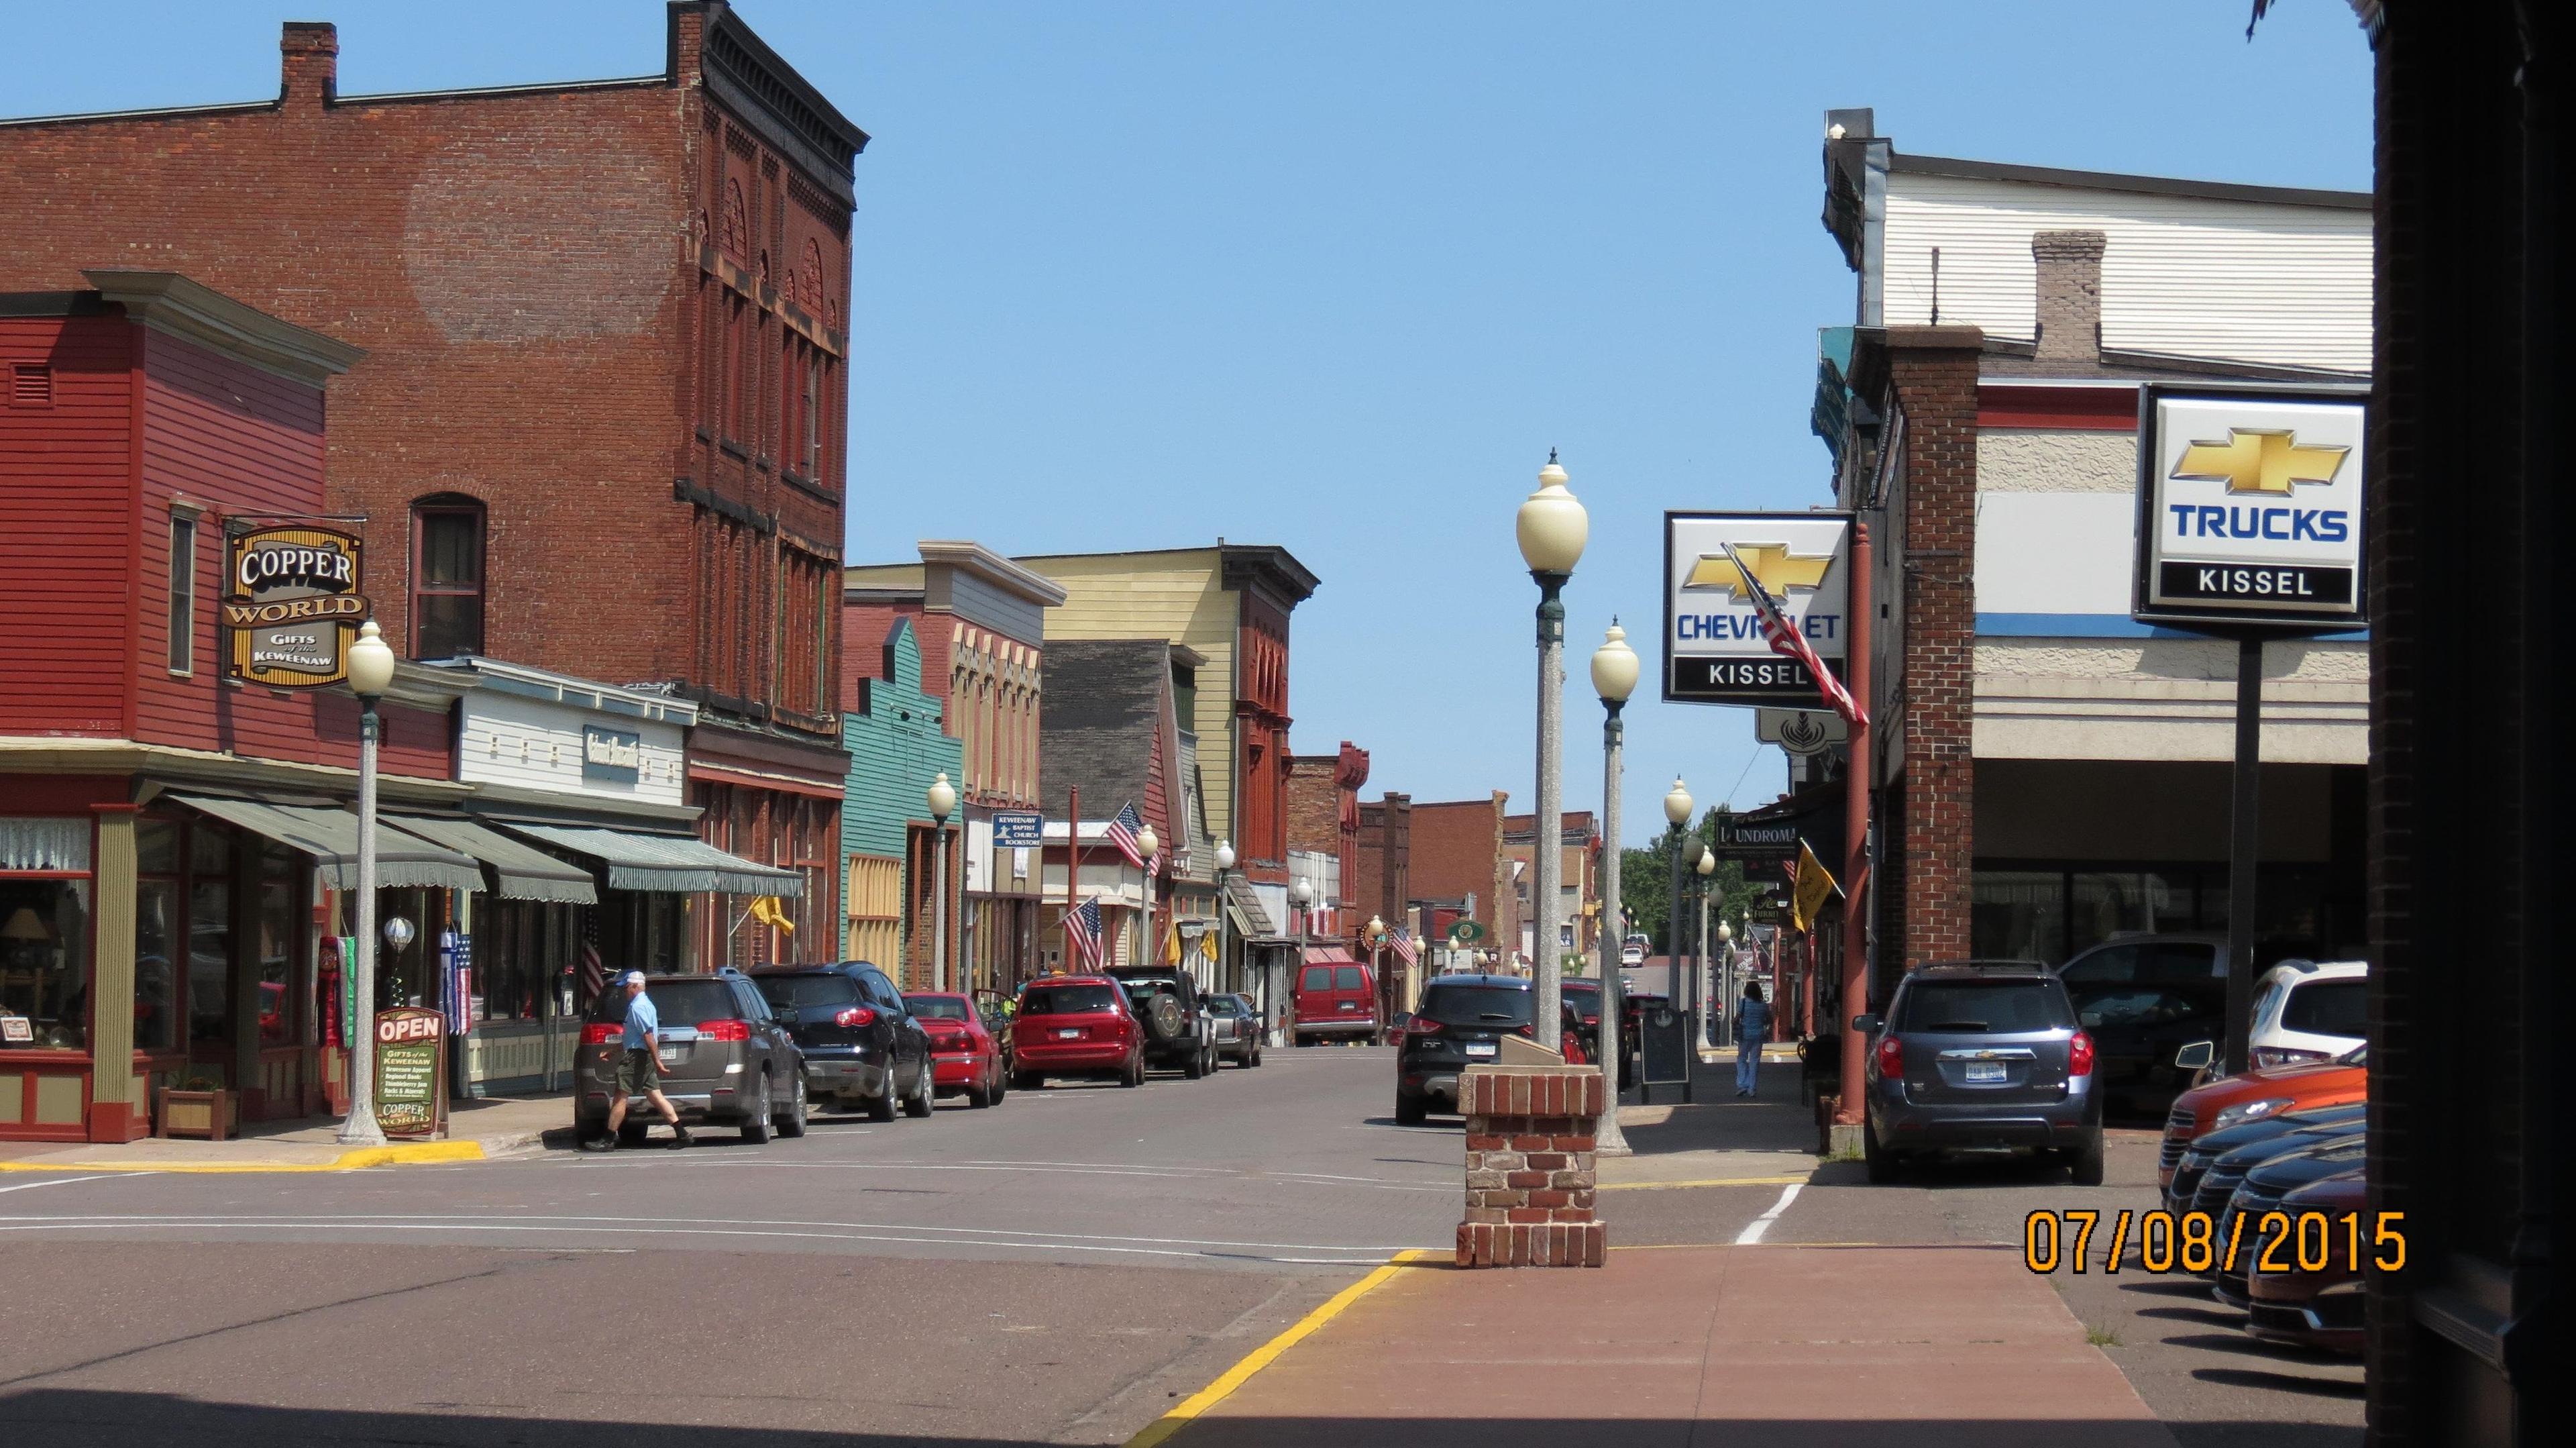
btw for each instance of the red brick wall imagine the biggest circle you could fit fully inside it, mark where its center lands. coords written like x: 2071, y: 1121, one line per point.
x: 1934, y: 374
x: 1457, y: 850
x: 1383, y: 848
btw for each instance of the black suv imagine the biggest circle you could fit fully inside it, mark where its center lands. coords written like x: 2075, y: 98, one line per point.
x: 1460, y: 1023
x: 1179, y: 1032
x: 863, y: 1049
x: 725, y: 1059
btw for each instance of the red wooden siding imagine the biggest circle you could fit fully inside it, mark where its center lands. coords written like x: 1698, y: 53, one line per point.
x: 66, y: 526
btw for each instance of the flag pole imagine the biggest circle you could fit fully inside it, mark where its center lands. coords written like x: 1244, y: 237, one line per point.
x: 1857, y: 776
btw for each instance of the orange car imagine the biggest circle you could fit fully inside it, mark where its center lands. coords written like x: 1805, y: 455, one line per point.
x: 2257, y: 1094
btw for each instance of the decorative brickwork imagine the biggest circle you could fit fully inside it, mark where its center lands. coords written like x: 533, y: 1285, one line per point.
x: 1530, y: 1176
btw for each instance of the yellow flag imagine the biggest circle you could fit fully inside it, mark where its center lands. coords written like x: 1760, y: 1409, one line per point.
x: 1809, y: 891
x: 1172, y: 942
x: 771, y: 911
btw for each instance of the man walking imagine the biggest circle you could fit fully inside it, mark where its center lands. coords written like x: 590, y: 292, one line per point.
x: 639, y: 1066
x: 1752, y: 1026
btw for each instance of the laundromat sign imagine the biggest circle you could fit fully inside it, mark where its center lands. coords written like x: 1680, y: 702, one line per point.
x: 294, y: 595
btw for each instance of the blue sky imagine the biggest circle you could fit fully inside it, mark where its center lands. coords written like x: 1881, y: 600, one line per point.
x: 1338, y: 276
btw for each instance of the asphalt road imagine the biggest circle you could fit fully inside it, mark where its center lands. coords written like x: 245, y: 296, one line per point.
x: 1059, y: 1268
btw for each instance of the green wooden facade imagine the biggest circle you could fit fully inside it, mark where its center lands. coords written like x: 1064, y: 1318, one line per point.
x: 896, y: 748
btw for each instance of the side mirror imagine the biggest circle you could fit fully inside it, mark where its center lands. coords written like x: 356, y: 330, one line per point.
x: 1868, y: 1025
x: 2196, y: 1056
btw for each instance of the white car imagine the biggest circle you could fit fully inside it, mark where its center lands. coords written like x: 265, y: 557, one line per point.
x: 2305, y: 1012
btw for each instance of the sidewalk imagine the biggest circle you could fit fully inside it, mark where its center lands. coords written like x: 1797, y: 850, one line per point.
x: 1717, y: 1139
x: 1822, y: 1345
x: 477, y: 1129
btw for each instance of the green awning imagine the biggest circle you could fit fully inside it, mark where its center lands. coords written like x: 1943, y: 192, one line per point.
x: 523, y: 872
x: 674, y: 864
x: 330, y: 837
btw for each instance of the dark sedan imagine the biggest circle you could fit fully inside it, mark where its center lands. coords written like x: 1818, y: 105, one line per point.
x: 863, y: 1049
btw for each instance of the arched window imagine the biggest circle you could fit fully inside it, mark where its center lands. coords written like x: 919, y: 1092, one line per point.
x: 446, y: 577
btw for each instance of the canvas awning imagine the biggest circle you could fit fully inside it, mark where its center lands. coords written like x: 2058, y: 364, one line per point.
x: 1329, y: 955
x: 673, y: 864
x: 522, y: 871
x: 330, y: 837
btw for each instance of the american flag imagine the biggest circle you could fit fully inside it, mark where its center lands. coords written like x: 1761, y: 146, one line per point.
x: 1781, y: 632
x: 1082, y: 932
x: 1122, y: 833
x: 594, y: 974
x: 1401, y: 942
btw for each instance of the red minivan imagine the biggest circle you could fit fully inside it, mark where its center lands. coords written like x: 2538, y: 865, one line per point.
x: 1336, y: 996
x: 1075, y: 1025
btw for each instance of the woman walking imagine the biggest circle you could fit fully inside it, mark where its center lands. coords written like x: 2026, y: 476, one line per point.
x: 1752, y: 1027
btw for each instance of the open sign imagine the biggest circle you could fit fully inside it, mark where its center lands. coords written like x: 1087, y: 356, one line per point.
x: 409, y: 1025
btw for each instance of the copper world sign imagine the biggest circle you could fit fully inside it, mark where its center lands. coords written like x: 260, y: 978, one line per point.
x: 294, y: 595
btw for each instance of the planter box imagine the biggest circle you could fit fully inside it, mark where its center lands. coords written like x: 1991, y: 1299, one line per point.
x: 207, y: 1114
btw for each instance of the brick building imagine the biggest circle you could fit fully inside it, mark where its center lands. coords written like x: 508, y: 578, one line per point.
x: 2050, y: 772
x: 1578, y: 888
x: 599, y: 310
x: 1459, y: 871
x: 1323, y: 839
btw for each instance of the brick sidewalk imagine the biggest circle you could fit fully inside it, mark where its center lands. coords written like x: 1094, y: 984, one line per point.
x: 489, y: 1125
x: 1823, y: 1345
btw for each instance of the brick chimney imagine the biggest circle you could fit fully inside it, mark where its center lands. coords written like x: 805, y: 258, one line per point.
x: 311, y: 64
x: 2070, y: 295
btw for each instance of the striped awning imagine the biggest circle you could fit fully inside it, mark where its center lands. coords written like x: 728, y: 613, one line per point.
x: 330, y: 837
x: 522, y: 872
x: 673, y: 864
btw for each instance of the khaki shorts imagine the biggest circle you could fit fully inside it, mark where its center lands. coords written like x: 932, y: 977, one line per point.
x: 639, y: 1073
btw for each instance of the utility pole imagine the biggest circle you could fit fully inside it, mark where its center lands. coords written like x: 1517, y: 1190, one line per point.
x: 1857, y: 775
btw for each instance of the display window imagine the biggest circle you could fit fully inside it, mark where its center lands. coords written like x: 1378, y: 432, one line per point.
x: 45, y: 900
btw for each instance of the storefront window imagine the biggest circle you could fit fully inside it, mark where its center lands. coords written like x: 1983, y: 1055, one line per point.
x: 2018, y: 915
x: 210, y: 958
x: 156, y: 846
x: 277, y: 935
x: 156, y: 971
x: 2107, y: 903
x: 44, y: 959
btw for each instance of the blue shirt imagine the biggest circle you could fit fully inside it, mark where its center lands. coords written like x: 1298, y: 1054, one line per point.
x: 641, y: 1020
x: 1752, y: 1021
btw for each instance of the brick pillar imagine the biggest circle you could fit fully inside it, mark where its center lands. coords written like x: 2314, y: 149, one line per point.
x: 1530, y: 1167
x: 1933, y: 372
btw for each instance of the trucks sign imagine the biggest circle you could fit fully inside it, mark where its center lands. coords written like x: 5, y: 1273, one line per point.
x: 2250, y: 506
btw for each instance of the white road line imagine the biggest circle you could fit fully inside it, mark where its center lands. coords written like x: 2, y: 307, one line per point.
x: 1754, y: 1229
x: 1200, y: 1174
x: 67, y: 1181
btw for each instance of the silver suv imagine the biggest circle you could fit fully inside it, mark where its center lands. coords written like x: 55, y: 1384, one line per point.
x: 725, y: 1060
x: 1980, y: 1055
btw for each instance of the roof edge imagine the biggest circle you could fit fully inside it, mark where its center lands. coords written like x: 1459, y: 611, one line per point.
x: 972, y: 557
x: 1907, y: 163
x: 188, y: 309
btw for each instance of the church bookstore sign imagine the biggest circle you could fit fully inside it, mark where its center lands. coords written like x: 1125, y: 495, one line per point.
x: 293, y: 599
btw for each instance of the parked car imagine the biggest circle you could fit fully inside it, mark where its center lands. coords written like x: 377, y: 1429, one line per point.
x: 863, y: 1050
x: 2305, y: 1013
x: 1336, y: 1000
x: 1980, y: 1054
x: 2227, y: 1170
x: 1179, y: 1032
x: 1461, y: 1021
x: 2142, y: 998
x: 726, y: 1059
x: 2257, y: 1094
x: 1075, y: 1025
x: 2261, y: 1192
x: 965, y: 1060
x: 2321, y: 1309
x: 1236, y: 1022
x: 2196, y: 1159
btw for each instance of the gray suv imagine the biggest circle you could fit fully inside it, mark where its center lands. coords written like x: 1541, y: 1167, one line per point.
x: 1980, y: 1055
x: 725, y: 1060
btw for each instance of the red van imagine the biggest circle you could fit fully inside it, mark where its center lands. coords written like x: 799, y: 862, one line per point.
x: 1336, y: 997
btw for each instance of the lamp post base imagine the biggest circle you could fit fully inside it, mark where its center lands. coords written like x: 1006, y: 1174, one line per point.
x: 360, y: 1130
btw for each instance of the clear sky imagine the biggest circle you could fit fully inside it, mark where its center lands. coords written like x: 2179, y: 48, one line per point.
x: 1338, y: 276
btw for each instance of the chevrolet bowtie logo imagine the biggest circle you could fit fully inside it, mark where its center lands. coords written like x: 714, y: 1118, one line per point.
x: 1771, y: 565
x: 2260, y: 460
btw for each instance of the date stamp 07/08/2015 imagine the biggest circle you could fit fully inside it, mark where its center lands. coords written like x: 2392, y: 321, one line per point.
x: 2197, y: 1243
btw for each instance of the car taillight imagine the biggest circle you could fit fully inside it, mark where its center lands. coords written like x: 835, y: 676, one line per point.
x: 724, y: 1030
x: 1891, y: 1058
x: 2079, y: 1055
x: 1424, y: 1026
x: 855, y: 1016
x: 600, y: 1034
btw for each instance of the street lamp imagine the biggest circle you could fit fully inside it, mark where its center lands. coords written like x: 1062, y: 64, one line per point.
x: 1725, y: 976
x: 1150, y: 845
x: 1614, y: 678
x: 1551, y: 528
x: 1224, y: 867
x: 1301, y: 893
x: 942, y: 799
x: 1706, y: 866
x: 1677, y: 813
x: 371, y: 672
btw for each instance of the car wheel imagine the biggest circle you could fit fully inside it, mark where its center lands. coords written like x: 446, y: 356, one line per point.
x: 1411, y: 1110
x: 1027, y: 1081
x: 1135, y: 1072
x: 755, y: 1127
x: 921, y: 1103
x: 982, y: 1093
x: 2084, y: 1164
x: 1881, y: 1163
x: 1001, y: 1080
x: 882, y: 1106
x: 1256, y: 1052
x: 1196, y: 1066
x: 791, y: 1122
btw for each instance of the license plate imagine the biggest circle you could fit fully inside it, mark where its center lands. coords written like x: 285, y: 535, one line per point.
x: 673, y: 1055
x: 1350, y: 1005
x: 1067, y: 1033
x: 1985, y: 1072
x: 1480, y: 1048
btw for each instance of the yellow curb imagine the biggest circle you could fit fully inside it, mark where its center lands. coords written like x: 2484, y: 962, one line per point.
x: 1261, y: 1357
x: 1769, y: 1181
x: 410, y: 1153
